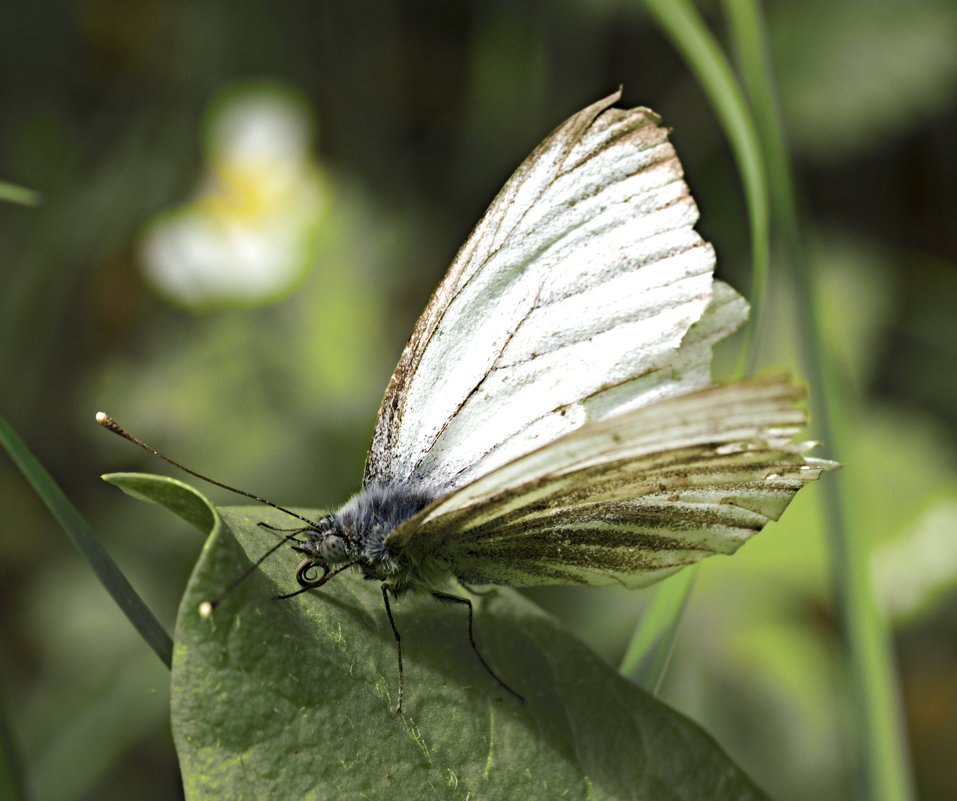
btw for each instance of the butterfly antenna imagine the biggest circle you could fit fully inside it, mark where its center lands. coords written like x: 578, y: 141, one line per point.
x: 109, y: 423
x: 206, y: 608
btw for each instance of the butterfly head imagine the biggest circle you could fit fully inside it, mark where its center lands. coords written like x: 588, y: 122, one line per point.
x: 328, y: 542
x: 356, y: 534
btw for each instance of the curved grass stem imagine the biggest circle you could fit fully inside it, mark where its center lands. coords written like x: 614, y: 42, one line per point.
x: 82, y: 536
x: 878, y: 739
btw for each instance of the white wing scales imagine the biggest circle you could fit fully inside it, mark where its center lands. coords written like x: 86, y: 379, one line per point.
x: 630, y: 499
x: 556, y: 390
x: 584, y: 276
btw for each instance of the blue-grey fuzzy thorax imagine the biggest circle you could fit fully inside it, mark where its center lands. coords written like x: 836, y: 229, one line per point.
x: 370, y: 515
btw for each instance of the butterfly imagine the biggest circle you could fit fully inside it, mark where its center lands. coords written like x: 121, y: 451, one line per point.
x: 552, y: 418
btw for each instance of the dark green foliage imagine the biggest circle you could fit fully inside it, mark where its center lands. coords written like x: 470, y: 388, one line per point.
x: 293, y: 699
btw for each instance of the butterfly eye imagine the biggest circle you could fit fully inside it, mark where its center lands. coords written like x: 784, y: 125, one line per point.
x: 332, y: 548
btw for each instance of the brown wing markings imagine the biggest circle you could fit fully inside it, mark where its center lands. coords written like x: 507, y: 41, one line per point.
x: 670, y: 475
x: 572, y: 488
x: 401, y: 373
x: 613, y: 323
x: 549, y: 574
x: 647, y: 528
x: 668, y: 156
x: 490, y: 369
x: 519, y: 570
x: 636, y: 123
x: 651, y: 516
x: 632, y: 519
x: 684, y: 199
x: 789, y: 393
x: 557, y: 409
x: 391, y: 409
x: 535, y: 305
x: 449, y: 287
x: 608, y: 551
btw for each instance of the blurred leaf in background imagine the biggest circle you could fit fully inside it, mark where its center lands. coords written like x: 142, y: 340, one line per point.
x: 914, y: 572
x: 873, y: 71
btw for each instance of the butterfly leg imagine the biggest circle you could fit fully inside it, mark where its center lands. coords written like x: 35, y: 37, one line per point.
x: 441, y: 596
x: 489, y: 591
x: 279, y: 530
x: 398, y: 642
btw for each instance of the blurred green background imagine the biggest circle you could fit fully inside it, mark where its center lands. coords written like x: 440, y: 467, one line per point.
x: 246, y: 205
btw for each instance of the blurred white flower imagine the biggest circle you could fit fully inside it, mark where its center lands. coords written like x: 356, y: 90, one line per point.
x: 246, y: 236
x: 912, y: 572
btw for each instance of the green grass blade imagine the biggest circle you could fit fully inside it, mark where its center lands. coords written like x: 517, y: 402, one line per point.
x: 878, y: 737
x: 19, y: 194
x: 683, y: 25
x: 649, y: 652
x: 650, y: 647
x: 86, y: 542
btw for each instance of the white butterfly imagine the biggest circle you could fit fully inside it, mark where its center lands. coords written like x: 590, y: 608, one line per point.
x: 552, y: 419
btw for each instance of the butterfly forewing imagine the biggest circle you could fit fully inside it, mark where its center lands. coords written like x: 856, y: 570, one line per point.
x: 629, y: 499
x: 570, y: 302
x: 688, y: 368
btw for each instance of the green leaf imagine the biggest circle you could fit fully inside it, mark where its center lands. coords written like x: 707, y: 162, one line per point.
x: 897, y: 65
x: 177, y: 496
x: 19, y: 194
x: 293, y: 699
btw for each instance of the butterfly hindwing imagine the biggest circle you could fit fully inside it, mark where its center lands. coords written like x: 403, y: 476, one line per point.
x: 630, y: 499
x: 569, y: 303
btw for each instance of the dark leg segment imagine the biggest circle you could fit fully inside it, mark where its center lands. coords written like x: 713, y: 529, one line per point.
x: 398, y: 642
x: 441, y: 596
x: 294, y: 530
x: 489, y: 591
